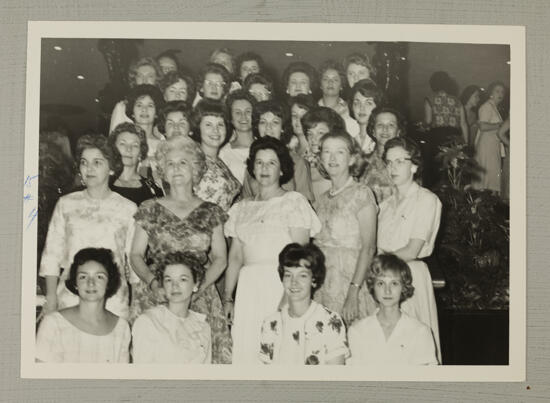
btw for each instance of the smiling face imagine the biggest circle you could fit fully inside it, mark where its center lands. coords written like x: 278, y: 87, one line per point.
x: 144, y: 110
x: 385, y: 128
x: 178, y: 283
x: 241, y: 115
x: 267, y: 168
x: 400, y: 166
x: 167, y: 64
x: 314, y: 135
x: 298, y: 282
x: 179, y: 168
x: 248, y: 67
x: 212, y: 86
x: 94, y: 168
x: 128, y: 145
x: 176, y: 125
x: 331, y: 83
x: 298, y: 83
x: 387, y: 289
x: 176, y: 91
x: 497, y: 95
x: 335, y: 156
x: 91, y: 281
x: 270, y: 125
x: 296, y: 113
x: 213, y: 131
x: 356, y: 72
x: 362, y: 107
x: 146, y: 75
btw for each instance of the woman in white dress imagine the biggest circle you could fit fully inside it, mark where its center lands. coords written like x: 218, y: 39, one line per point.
x: 86, y: 332
x: 408, y: 222
x: 259, y: 229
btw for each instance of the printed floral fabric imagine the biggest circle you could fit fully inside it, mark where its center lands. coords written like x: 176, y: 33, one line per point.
x: 377, y: 177
x: 319, y: 336
x: 445, y: 110
x: 340, y: 241
x: 58, y: 340
x: 218, y: 185
x: 169, y: 233
x: 78, y: 222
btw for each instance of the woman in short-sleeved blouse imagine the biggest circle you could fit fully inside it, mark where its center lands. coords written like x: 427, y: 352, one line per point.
x: 260, y: 228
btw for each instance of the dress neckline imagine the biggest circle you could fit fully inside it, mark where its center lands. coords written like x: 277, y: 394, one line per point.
x: 82, y: 331
x: 177, y: 216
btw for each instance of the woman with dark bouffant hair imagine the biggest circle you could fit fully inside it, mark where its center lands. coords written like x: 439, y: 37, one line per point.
x: 86, y: 332
x: 260, y: 228
x: 390, y: 337
x: 93, y: 217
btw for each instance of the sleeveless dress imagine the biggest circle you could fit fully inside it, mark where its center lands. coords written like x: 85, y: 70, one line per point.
x: 263, y: 229
x: 488, y: 150
x: 340, y: 241
x: 416, y: 217
x: 169, y: 233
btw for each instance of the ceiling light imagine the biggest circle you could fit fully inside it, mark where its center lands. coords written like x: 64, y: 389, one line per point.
x: 508, y: 62
x: 289, y: 54
x: 80, y: 77
x: 58, y: 48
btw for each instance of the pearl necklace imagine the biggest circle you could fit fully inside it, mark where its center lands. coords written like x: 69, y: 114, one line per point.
x: 333, y: 192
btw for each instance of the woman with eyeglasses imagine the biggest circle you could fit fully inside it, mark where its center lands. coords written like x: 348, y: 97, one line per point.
x: 408, y: 222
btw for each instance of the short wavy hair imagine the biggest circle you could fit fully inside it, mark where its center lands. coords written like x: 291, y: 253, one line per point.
x: 171, y: 54
x: 401, y: 122
x: 186, y: 258
x: 493, y: 85
x: 332, y: 64
x: 468, y: 92
x: 173, y: 77
x: 214, y: 68
x: 357, y: 169
x: 246, y: 56
x: 128, y: 127
x: 101, y: 143
x: 182, y: 144
x: 208, y: 107
x: 303, y: 101
x: 285, y: 160
x: 441, y: 81
x: 99, y: 255
x: 410, y: 146
x: 173, y: 106
x: 368, y: 89
x: 278, y: 110
x: 144, y: 61
x: 139, y: 92
x: 226, y: 51
x: 302, y: 67
x: 320, y: 114
x: 361, y: 59
x: 389, y: 262
x: 258, y: 78
x: 238, y: 95
x: 294, y: 254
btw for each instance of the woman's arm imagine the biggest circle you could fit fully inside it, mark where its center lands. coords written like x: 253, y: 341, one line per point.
x: 427, y: 112
x: 411, y: 250
x: 218, y: 256
x: 501, y: 133
x: 137, y: 261
x: 367, y: 227
x: 235, y: 263
x: 464, y: 125
x: 486, y: 127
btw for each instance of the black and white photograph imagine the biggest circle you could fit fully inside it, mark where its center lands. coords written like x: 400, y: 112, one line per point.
x: 249, y: 200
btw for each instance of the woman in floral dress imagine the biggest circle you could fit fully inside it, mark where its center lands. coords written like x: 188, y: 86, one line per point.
x: 181, y: 221
x: 348, y: 236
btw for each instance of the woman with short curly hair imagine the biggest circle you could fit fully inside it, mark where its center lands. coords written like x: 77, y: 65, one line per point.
x: 181, y: 221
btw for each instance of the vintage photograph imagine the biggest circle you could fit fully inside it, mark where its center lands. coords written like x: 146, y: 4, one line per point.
x: 245, y: 201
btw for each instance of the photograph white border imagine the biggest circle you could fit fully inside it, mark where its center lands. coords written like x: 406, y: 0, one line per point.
x: 514, y: 36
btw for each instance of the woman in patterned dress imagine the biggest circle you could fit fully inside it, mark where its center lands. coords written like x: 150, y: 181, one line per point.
x: 217, y: 185
x: 348, y: 236
x: 181, y: 221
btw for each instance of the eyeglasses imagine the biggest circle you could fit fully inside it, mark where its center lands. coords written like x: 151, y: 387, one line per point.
x: 397, y: 162
x: 215, y: 84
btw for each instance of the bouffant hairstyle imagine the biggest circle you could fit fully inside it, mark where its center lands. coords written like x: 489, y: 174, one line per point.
x: 128, y: 127
x: 411, y: 147
x: 144, y: 61
x: 140, y: 91
x: 285, y: 160
x: 173, y: 77
x: 102, y: 256
x: 186, y: 258
x: 185, y: 145
x: 322, y: 114
x: 258, y: 78
x: 173, y: 106
x: 468, y: 92
x: 234, y: 96
x: 225, y: 51
x: 302, y: 67
x: 308, y: 256
x: 359, y: 165
x: 214, y: 68
x: 368, y: 89
x: 388, y: 262
x: 303, y: 101
x: 441, y: 81
x: 207, y: 107
x: 278, y: 110
x: 361, y: 60
x: 170, y: 54
x: 100, y: 142
x: 245, y: 57
x: 332, y: 64
x: 401, y: 122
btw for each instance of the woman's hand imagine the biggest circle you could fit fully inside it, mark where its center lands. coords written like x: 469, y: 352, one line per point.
x: 229, y: 311
x: 158, y: 291
x: 350, y: 311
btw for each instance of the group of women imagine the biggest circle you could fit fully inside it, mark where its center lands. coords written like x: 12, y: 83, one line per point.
x: 199, y: 187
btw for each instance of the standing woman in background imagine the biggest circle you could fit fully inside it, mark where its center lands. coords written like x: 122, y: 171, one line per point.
x: 488, y: 143
x: 364, y: 97
x: 470, y: 100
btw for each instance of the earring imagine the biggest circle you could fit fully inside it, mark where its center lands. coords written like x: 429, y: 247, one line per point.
x: 81, y: 179
x: 195, y: 289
